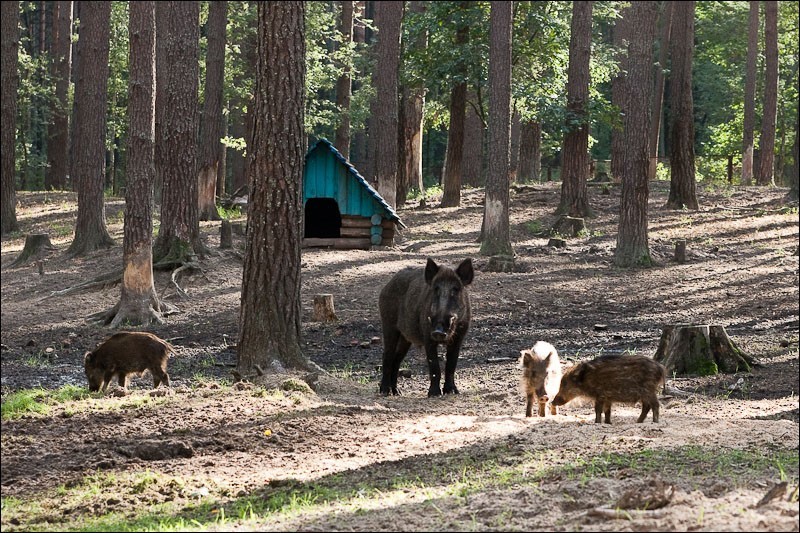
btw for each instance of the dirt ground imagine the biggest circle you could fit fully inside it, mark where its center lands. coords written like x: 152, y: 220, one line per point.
x: 343, y: 457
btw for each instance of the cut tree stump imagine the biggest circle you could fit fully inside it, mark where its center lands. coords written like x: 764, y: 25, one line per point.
x: 35, y: 245
x: 571, y: 226
x: 225, y: 235
x: 700, y: 350
x: 680, y: 251
x: 323, y: 308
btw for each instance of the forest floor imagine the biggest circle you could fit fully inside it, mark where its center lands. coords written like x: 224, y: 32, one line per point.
x: 211, y: 454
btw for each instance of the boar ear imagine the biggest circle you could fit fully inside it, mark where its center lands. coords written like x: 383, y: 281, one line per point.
x: 525, y: 358
x: 465, y: 272
x: 87, y: 357
x: 431, y: 268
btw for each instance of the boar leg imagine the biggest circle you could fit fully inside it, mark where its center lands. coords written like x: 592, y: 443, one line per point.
x: 529, y: 407
x: 123, y: 380
x: 400, y: 353
x: 553, y: 409
x: 159, y: 377
x: 391, y: 337
x: 450, y: 366
x: 607, y: 411
x: 541, y: 408
x: 647, y: 404
x: 107, y: 377
x: 434, y: 371
x: 598, y: 411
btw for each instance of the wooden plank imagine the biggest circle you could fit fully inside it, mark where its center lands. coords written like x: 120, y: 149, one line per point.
x: 349, y: 221
x: 342, y: 243
x: 355, y: 232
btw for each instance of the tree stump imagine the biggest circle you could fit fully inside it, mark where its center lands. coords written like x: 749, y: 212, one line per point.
x: 323, y: 308
x: 35, y: 246
x: 500, y: 263
x: 680, y: 251
x: 225, y: 235
x: 557, y: 243
x: 571, y: 226
x: 701, y: 350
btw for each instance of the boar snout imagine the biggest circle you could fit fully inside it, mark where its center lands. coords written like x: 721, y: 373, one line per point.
x: 442, y: 328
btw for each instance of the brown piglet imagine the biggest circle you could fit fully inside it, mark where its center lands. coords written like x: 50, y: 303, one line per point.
x: 126, y: 353
x: 541, y: 375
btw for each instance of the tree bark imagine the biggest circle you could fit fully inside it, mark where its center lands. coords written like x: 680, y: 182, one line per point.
x: 58, y: 143
x: 9, y: 40
x: 473, y: 161
x: 750, y: 94
x: 702, y: 350
x: 766, y: 142
x: 179, y: 234
x: 632, y: 240
x: 621, y: 36
x: 270, y: 311
x: 451, y: 196
x: 162, y: 72
x: 210, y: 153
x: 682, y: 187
x: 515, y: 143
x: 496, y: 232
x: 575, y: 154
x: 530, y: 157
x: 658, y: 95
x: 390, y: 16
x: 412, y: 113
x: 91, y: 92
x: 344, y: 84
x: 139, y: 304
x: 794, y: 176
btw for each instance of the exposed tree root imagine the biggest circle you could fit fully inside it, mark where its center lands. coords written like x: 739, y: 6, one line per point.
x: 109, y: 279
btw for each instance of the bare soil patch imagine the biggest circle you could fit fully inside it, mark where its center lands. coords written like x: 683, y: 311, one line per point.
x: 343, y: 457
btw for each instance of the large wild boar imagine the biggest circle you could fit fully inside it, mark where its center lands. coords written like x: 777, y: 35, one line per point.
x: 425, y: 308
x: 541, y: 376
x: 125, y: 353
x: 614, y: 378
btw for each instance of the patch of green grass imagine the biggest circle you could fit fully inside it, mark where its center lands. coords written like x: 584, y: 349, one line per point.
x: 227, y: 214
x: 534, y: 227
x: 23, y: 402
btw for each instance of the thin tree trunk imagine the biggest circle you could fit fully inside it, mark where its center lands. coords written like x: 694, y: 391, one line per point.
x: 179, y: 233
x: 270, y: 310
x: 515, y: 143
x: 530, y: 152
x: 658, y: 96
x: 210, y: 152
x: 412, y: 112
x: 496, y: 231
x: 682, y: 187
x: 750, y: 94
x: 344, y: 84
x: 794, y: 176
x: 472, y: 160
x: 621, y: 35
x: 9, y: 40
x: 575, y: 161
x: 632, y: 239
x: 358, y: 137
x: 766, y: 144
x: 162, y: 72
x: 91, y: 93
x: 58, y: 145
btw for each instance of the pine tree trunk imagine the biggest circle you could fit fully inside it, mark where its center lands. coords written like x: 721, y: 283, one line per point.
x: 527, y: 147
x: 139, y: 303
x: 766, y: 144
x: 390, y: 16
x: 658, y: 95
x: 472, y: 160
x: 794, y: 176
x: 344, y: 84
x: 451, y: 179
x: 621, y: 35
x: 58, y: 145
x: 162, y: 72
x: 412, y: 105
x: 575, y: 153
x: 210, y: 152
x: 270, y: 311
x: 632, y: 240
x: 91, y: 92
x: 513, y: 165
x: 682, y: 187
x: 9, y: 41
x: 750, y: 94
x: 179, y: 233
x: 700, y: 350
x: 496, y: 232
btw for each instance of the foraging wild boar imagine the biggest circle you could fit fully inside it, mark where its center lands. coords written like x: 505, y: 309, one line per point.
x: 614, y: 378
x: 425, y: 308
x: 125, y: 353
x: 541, y: 376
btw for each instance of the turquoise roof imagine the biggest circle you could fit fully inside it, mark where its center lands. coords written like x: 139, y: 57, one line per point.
x: 328, y: 174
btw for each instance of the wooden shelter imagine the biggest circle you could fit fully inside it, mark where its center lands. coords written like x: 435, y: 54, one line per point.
x: 340, y: 209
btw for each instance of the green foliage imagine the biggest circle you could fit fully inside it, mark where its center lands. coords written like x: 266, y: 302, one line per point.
x: 39, y: 401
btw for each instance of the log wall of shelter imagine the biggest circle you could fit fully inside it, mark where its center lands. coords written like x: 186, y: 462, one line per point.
x: 357, y: 233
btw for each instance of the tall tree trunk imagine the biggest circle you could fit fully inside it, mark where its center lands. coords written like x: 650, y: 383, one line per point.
x: 412, y: 113
x: 162, y: 72
x: 530, y: 152
x: 516, y: 126
x: 496, y: 232
x: 766, y: 143
x: 270, y: 311
x: 91, y: 93
x: 179, y: 233
x: 621, y: 35
x: 344, y: 84
x: 472, y: 160
x: 451, y: 196
x: 358, y: 137
x: 658, y: 96
x: 632, y: 240
x: 794, y: 176
x: 210, y: 151
x: 750, y: 94
x: 139, y: 303
x: 58, y: 145
x: 390, y: 16
x: 575, y: 153
x: 9, y: 40
x: 682, y: 186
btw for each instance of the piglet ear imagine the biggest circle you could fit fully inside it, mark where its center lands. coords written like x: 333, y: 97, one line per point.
x: 525, y: 358
x: 87, y: 357
x: 465, y: 271
x: 431, y: 269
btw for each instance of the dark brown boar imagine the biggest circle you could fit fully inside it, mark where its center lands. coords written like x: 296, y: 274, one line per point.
x: 614, y: 378
x: 541, y: 376
x: 425, y: 308
x: 125, y: 353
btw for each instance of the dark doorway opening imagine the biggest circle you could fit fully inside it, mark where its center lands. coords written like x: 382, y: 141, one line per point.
x: 323, y: 219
